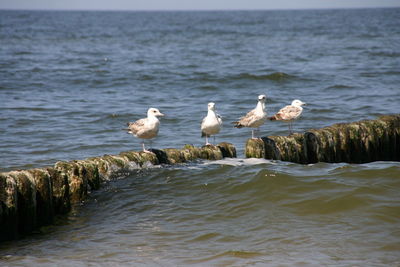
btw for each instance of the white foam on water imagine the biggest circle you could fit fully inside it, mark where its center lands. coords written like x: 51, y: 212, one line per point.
x: 240, y: 162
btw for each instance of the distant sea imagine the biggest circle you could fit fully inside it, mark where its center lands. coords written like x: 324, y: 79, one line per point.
x: 69, y: 82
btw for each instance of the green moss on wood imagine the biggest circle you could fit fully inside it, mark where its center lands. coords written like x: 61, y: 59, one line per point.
x: 133, y: 157
x: 44, y: 196
x: 78, y: 184
x: 60, y: 190
x: 147, y: 159
x: 211, y: 152
x: 90, y: 170
x: 26, y: 201
x: 103, y: 167
x: 227, y: 149
x: 31, y: 198
x: 174, y: 155
x: 191, y: 152
x: 8, y: 207
x: 357, y: 142
x: 255, y: 148
x: 114, y: 161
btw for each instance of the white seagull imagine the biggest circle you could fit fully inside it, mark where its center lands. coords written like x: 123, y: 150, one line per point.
x: 254, y: 118
x: 146, y: 128
x: 211, y: 124
x: 289, y: 113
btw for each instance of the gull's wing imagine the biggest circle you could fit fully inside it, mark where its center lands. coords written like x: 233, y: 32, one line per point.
x: 288, y: 113
x: 134, y: 127
x: 246, y: 120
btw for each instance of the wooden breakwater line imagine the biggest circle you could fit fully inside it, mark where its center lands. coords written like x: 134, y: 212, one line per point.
x: 357, y: 142
x: 32, y: 198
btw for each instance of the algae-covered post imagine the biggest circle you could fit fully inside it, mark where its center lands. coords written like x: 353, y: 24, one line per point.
x: 357, y: 142
x: 8, y: 208
x: 31, y: 198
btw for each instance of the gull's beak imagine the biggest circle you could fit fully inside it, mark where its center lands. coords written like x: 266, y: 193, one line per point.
x: 160, y: 114
x: 304, y: 104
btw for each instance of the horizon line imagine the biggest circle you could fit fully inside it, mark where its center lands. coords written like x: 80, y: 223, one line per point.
x: 195, y: 10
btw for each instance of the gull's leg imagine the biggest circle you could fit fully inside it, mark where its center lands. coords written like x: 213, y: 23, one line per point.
x: 207, y: 139
x: 255, y: 133
x: 214, y: 139
x: 144, y: 149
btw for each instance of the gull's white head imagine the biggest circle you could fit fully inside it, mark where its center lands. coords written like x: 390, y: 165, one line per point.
x: 298, y: 103
x: 262, y: 98
x: 211, y: 106
x: 153, y: 112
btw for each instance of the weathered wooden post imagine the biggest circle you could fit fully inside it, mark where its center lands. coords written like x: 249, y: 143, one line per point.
x: 357, y: 142
x: 31, y: 198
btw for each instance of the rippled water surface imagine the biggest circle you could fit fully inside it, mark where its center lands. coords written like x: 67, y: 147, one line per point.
x: 230, y: 213
x: 69, y: 82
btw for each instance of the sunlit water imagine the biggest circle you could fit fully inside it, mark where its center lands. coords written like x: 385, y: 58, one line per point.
x: 69, y: 81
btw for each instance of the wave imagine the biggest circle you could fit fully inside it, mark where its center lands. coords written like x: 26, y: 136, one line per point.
x: 338, y: 86
x: 22, y: 53
x: 32, y: 109
x: 37, y: 69
x: 208, y: 88
x: 146, y: 77
x: 308, y: 189
x: 275, y: 76
x: 384, y: 54
x: 204, y: 77
x: 379, y: 73
x: 241, y: 254
x: 369, y: 35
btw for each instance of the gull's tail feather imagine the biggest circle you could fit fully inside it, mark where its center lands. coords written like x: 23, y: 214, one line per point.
x: 203, y: 134
x: 128, y: 131
x: 273, y: 118
x: 237, y: 124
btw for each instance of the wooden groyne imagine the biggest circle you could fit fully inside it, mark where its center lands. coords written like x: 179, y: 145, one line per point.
x: 32, y: 198
x: 357, y: 142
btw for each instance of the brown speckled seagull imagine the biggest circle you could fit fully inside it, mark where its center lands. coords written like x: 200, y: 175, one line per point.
x: 254, y: 118
x: 289, y: 113
x: 146, y: 128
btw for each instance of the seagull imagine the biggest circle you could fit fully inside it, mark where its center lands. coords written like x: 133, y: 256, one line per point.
x: 146, y: 128
x: 254, y: 118
x: 289, y: 113
x: 211, y: 124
